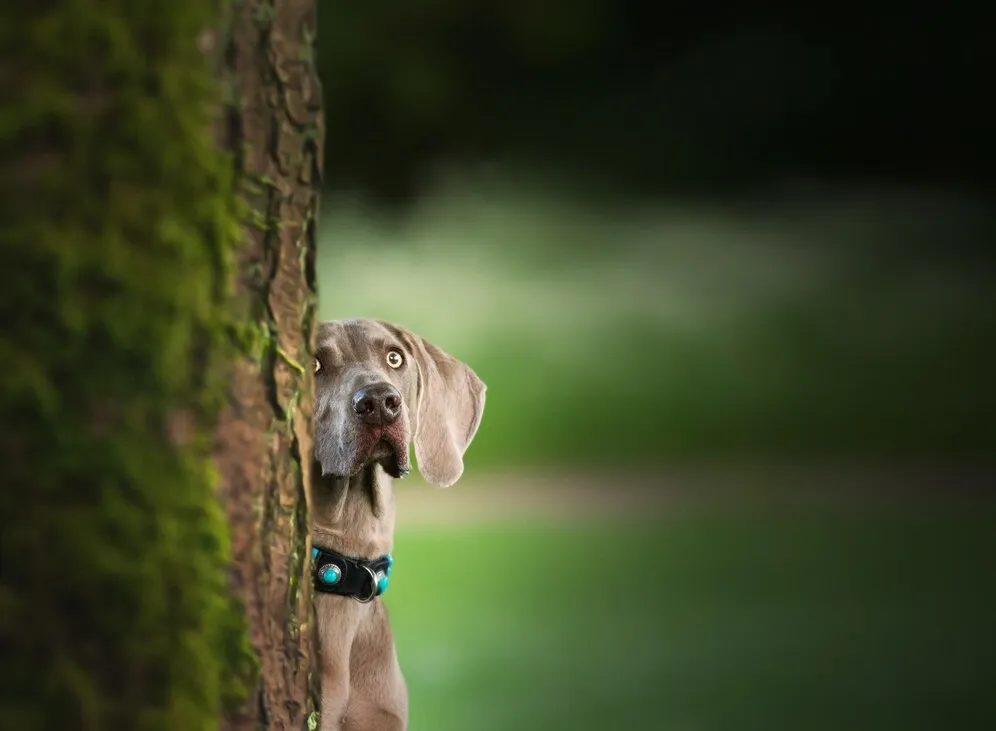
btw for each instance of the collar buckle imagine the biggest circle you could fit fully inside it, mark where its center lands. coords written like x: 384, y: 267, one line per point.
x: 374, y: 590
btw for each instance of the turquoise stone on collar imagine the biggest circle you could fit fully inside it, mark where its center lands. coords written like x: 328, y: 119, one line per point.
x: 330, y: 574
x: 382, y: 580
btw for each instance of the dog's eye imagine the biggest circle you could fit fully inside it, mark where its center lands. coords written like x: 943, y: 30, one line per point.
x: 318, y: 365
x: 395, y: 359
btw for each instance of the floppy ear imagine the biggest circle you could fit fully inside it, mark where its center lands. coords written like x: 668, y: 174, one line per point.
x: 450, y: 406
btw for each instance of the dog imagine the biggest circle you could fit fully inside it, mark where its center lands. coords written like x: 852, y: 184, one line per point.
x: 379, y: 389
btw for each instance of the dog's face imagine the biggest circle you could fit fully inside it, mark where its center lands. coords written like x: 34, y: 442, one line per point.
x: 378, y: 389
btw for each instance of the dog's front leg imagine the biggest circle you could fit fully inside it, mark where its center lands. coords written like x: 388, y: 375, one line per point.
x: 335, y: 636
x: 335, y: 695
x: 378, y: 697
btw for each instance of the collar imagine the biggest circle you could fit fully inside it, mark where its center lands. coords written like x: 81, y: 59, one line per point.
x: 364, y: 580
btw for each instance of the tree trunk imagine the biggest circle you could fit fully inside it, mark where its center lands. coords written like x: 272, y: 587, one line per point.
x: 264, y: 437
x: 121, y: 228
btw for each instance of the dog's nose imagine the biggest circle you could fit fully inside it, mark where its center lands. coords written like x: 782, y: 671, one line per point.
x: 377, y: 405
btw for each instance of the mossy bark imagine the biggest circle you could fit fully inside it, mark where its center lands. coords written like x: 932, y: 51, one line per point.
x: 264, y: 439
x: 119, y: 225
x: 134, y: 379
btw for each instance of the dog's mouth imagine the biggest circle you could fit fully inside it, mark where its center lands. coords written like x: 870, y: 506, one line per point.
x: 384, y: 445
x: 392, y: 455
x: 389, y: 449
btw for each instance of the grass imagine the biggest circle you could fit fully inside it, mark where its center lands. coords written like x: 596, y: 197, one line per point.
x: 764, y: 615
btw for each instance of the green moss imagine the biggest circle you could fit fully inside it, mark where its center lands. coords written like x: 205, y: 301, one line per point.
x: 120, y: 216
x: 254, y: 339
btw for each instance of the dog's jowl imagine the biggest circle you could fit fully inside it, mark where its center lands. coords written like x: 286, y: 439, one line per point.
x: 379, y: 390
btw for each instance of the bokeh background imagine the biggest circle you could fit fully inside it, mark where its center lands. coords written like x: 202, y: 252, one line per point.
x: 728, y: 274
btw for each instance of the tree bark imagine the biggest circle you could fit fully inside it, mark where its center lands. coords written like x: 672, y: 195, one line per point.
x: 264, y: 446
x: 134, y: 379
x: 119, y: 223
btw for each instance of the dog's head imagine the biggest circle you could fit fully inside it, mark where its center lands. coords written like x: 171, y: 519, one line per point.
x: 378, y: 389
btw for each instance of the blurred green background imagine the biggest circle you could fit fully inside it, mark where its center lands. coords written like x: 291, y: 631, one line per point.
x: 615, y: 332
x: 729, y: 279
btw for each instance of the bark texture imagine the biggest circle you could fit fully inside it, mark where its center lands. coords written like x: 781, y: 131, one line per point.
x: 263, y: 448
x: 134, y: 379
x: 119, y: 224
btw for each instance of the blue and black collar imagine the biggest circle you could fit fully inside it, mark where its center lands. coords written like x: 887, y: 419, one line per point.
x: 333, y: 573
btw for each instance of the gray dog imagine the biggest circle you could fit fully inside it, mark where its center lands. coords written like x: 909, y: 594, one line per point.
x: 379, y: 389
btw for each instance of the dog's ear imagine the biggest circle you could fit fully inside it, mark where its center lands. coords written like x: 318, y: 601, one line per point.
x: 449, y: 408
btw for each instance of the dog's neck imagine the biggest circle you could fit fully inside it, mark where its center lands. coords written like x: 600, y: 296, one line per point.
x: 353, y: 515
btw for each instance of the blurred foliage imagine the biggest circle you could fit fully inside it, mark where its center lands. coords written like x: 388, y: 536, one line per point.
x: 620, y: 322
x: 613, y: 333
x: 666, y: 96
x: 579, y: 288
